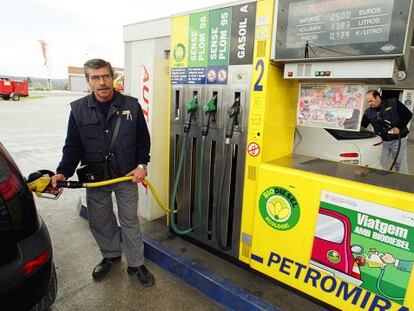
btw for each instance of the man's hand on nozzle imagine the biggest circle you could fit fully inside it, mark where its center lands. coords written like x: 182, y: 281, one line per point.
x: 56, y: 178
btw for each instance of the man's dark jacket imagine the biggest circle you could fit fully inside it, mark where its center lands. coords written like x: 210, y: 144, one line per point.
x: 89, y: 135
x: 390, y: 113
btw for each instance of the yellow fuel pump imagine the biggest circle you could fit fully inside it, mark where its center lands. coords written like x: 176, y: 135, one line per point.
x: 318, y: 226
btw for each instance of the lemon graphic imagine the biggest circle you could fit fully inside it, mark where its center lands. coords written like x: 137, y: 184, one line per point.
x: 278, y: 208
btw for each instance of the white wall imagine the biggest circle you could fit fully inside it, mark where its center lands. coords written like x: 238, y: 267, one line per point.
x: 147, y: 78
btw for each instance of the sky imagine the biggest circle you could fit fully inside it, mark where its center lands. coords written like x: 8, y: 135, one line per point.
x: 74, y: 31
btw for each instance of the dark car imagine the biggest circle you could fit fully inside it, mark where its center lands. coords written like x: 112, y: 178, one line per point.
x: 27, y: 273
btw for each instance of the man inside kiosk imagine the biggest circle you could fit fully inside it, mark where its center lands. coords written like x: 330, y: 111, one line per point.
x: 389, y: 118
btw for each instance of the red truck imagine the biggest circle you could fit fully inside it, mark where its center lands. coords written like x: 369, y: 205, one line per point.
x: 13, y: 89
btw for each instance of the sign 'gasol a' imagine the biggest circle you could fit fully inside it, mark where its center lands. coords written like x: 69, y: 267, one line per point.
x: 242, y: 28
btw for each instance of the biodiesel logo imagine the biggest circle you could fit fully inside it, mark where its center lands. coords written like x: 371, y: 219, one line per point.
x: 279, y: 208
x: 179, y: 52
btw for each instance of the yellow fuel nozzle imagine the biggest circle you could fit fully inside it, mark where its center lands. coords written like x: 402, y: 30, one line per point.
x: 39, y: 183
x: 39, y: 186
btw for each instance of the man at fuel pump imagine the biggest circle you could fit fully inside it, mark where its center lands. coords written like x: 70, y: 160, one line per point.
x: 108, y: 133
x: 389, y: 118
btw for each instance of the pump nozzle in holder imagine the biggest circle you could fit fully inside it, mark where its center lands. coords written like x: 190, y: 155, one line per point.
x: 233, y: 113
x: 191, y: 108
x: 210, y: 107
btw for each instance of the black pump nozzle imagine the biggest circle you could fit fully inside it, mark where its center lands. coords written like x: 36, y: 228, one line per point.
x: 191, y: 108
x: 233, y: 113
x: 209, y: 108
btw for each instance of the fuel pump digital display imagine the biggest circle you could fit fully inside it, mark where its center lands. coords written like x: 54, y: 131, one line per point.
x: 343, y: 29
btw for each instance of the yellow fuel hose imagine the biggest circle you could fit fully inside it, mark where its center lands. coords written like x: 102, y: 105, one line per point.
x: 108, y: 182
x: 155, y: 195
x: 40, y: 184
x: 127, y: 178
